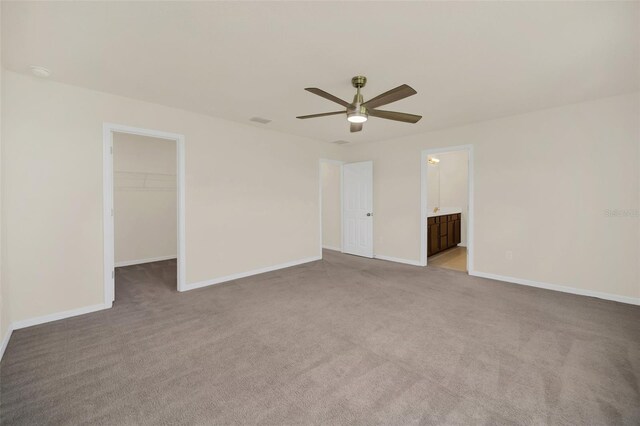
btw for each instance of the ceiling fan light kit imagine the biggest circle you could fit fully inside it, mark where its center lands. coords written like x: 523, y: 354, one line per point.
x: 358, y: 116
x: 359, y: 111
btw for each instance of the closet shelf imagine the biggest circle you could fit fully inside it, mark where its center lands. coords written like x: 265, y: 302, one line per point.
x: 144, y: 181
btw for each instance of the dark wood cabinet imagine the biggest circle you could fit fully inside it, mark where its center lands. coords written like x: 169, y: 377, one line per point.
x: 443, y: 232
x: 433, y: 238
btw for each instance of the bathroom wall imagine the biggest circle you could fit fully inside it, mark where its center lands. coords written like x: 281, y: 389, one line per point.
x: 433, y: 186
x: 454, y: 184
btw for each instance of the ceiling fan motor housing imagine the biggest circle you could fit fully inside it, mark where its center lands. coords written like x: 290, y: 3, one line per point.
x: 357, y: 103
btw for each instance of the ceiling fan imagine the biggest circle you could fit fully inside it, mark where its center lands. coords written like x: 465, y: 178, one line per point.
x: 359, y: 111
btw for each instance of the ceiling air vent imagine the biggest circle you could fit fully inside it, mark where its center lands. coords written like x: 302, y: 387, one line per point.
x: 260, y: 120
x: 340, y: 142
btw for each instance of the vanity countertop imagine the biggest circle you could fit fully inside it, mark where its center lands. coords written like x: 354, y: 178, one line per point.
x: 444, y: 211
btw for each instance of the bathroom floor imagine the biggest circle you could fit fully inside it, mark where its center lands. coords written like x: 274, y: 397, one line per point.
x: 454, y: 258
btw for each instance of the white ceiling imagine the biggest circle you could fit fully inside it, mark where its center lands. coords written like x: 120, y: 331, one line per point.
x: 468, y: 61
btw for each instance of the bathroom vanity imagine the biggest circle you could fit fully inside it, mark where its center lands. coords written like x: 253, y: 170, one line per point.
x: 443, y: 230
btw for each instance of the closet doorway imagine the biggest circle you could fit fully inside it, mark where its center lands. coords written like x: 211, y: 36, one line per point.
x: 143, y: 201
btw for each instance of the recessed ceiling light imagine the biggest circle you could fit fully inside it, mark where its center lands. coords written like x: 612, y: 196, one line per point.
x: 260, y: 120
x: 39, y: 71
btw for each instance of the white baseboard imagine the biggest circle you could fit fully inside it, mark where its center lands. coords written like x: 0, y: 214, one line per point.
x: 141, y: 261
x: 397, y: 260
x: 564, y: 289
x: 17, y: 325
x: 5, y: 341
x: 332, y: 248
x: 237, y: 276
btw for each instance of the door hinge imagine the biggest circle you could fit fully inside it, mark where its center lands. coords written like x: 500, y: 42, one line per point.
x: 111, y: 211
x: 111, y: 149
x: 113, y: 274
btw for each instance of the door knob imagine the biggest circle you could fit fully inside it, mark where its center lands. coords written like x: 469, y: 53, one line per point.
x: 369, y: 214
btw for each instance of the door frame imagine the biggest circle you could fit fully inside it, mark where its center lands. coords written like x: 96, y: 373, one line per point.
x: 108, y: 129
x: 424, y: 197
x: 339, y: 163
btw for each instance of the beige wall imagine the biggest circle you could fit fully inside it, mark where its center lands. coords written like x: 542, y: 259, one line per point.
x: 543, y: 184
x: 145, y: 198
x: 330, y: 173
x: 4, y: 300
x: 251, y: 194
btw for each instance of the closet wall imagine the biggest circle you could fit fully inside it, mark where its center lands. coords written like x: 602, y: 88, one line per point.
x: 145, y: 199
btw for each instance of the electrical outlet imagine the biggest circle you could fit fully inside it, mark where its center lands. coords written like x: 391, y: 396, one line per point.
x: 508, y: 255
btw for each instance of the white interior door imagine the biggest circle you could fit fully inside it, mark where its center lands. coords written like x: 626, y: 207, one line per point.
x: 357, y: 205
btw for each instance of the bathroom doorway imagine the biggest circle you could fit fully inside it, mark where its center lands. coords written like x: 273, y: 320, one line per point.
x: 447, y: 210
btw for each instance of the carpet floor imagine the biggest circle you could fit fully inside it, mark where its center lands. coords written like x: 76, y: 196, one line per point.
x: 345, y: 340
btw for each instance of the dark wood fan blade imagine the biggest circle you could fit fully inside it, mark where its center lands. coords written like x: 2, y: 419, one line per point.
x: 356, y: 127
x: 329, y: 96
x: 397, y: 116
x: 392, y: 95
x: 323, y: 114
